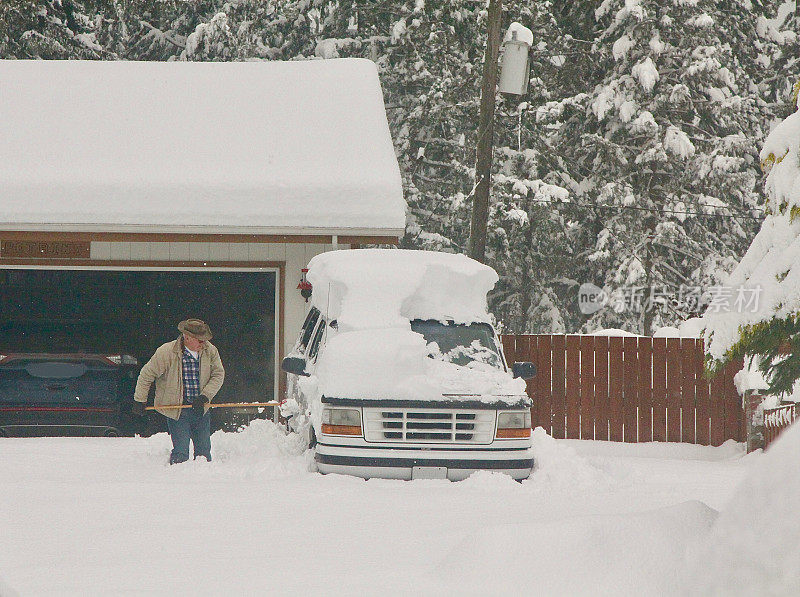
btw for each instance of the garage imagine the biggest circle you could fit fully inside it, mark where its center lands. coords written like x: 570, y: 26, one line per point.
x: 133, y: 311
x: 132, y: 202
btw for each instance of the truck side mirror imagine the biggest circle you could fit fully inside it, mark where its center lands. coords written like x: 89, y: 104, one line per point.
x: 296, y: 365
x: 525, y: 370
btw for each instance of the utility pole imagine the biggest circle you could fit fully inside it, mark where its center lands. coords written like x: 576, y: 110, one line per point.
x: 483, y: 158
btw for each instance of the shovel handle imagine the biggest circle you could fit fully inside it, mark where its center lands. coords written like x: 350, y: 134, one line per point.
x: 212, y: 405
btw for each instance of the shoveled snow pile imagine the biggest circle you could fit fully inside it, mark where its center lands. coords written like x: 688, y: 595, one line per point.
x: 262, y: 449
x: 372, y: 353
x: 754, y: 548
x: 558, y: 467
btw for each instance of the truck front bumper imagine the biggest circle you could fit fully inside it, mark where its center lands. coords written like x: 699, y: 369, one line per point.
x: 407, y: 462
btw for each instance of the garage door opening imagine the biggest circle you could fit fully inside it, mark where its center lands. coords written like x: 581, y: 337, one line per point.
x: 135, y: 311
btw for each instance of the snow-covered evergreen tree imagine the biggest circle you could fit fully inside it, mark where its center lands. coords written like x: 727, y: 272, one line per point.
x: 431, y: 70
x: 661, y: 150
x: 769, y: 272
x: 253, y: 29
x: 50, y: 29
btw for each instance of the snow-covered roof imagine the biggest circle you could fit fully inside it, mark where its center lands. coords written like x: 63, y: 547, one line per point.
x: 253, y: 147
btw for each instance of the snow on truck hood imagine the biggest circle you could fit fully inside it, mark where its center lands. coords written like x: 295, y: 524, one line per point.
x: 373, y: 294
x: 394, y: 364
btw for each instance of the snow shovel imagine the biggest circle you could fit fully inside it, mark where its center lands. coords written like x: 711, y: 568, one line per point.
x: 212, y: 405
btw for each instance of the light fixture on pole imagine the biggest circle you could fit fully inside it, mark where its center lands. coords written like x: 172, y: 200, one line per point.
x: 515, y: 66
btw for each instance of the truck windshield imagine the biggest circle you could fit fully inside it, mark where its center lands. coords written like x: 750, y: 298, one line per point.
x: 461, y: 344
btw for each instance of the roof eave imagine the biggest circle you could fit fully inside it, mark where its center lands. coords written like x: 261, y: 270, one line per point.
x: 151, y: 233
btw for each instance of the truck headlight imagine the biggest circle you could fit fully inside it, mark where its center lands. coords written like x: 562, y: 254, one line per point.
x: 341, y: 421
x: 514, y: 424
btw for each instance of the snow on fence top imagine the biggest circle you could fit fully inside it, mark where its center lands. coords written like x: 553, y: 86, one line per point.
x: 162, y: 146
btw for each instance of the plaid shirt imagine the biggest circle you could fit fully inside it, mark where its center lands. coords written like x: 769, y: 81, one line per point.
x: 191, y: 377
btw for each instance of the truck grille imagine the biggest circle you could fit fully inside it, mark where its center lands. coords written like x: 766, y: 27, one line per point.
x: 421, y: 425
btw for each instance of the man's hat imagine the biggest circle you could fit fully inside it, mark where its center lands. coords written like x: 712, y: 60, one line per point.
x: 195, y: 327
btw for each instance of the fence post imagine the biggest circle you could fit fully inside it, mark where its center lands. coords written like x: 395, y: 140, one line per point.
x: 734, y: 410
x: 754, y: 417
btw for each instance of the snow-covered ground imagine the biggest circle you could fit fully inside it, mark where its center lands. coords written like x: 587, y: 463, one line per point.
x: 102, y: 516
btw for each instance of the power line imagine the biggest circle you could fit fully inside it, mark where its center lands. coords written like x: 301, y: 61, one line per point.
x: 650, y: 209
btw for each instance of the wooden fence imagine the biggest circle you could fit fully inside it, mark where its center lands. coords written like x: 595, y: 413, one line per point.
x: 628, y: 389
x: 777, y: 419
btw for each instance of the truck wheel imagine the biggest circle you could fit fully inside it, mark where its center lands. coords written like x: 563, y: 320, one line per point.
x: 112, y: 433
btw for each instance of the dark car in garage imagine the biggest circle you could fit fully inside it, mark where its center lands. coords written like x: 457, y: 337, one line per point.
x: 67, y: 394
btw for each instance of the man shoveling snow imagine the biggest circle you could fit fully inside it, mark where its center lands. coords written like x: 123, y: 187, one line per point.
x: 187, y: 371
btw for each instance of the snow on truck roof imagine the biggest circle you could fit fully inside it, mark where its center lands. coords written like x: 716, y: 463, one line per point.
x: 384, y: 288
x: 162, y: 146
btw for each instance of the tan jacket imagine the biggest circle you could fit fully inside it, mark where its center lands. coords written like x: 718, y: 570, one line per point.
x: 166, y: 368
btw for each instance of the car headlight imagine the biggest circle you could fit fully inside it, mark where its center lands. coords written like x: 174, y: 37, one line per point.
x: 514, y: 424
x: 341, y: 421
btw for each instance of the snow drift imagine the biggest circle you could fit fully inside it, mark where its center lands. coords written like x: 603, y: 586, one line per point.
x: 86, y: 516
x: 754, y: 547
x: 588, y: 555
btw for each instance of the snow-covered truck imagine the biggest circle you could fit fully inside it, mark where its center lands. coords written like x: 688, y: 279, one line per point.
x: 398, y: 373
